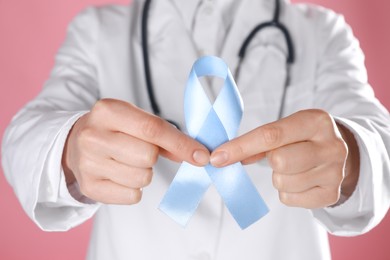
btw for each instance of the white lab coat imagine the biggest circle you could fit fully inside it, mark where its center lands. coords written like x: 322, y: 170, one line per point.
x: 101, y: 58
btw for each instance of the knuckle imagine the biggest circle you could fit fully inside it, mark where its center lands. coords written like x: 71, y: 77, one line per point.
x: 154, y: 154
x: 102, y: 106
x: 319, y: 114
x: 277, y: 181
x: 272, y: 135
x: 152, y: 127
x: 341, y: 148
x: 181, y: 145
x: 285, y: 198
x: 276, y: 161
x: 142, y: 178
x: 239, y: 150
x: 151, y: 156
x: 324, y: 119
x: 147, y: 178
x: 135, y: 196
x: 86, y: 135
x: 338, y: 150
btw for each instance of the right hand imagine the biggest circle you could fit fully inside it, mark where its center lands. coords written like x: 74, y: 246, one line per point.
x: 111, y: 151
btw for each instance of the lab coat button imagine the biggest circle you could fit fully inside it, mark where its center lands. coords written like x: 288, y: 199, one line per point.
x: 208, y: 10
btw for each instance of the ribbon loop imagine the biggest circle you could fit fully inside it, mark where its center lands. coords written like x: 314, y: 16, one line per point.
x: 213, y: 125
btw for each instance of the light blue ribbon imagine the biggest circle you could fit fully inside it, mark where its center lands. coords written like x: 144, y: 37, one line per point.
x: 213, y: 125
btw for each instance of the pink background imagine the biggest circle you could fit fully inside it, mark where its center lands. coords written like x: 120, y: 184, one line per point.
x: 31, y: 32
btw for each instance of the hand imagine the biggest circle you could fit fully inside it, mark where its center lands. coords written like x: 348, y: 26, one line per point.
x: 307, y: 153
x: 111, y: 151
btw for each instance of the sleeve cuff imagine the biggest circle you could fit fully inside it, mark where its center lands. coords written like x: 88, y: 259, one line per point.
x: 355, y: 214
x: 57, y: 209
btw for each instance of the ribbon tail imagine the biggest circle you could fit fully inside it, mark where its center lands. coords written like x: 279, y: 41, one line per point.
x: 239, y: 193
x: 185, y: 193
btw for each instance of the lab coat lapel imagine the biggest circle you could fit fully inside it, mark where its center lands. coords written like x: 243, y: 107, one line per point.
x: 249, y: 14
x: 171, y: 55
x: 262, y: 73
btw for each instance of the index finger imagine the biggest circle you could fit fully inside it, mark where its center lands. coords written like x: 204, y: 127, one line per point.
x: 152, y: 129
x: 298, y: 127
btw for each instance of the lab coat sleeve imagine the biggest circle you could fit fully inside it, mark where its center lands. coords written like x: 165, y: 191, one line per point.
x: 34, y: 140
x: 343, y: 91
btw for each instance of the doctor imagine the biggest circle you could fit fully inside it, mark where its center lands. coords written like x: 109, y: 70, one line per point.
x: 89, y: 144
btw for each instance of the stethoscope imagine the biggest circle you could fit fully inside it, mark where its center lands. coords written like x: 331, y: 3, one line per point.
x: 290, y: 57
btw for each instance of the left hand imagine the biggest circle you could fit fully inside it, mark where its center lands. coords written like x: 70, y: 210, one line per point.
x: 307, y: 153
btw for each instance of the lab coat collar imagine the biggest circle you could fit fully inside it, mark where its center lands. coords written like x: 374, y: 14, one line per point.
x: 187, y: 8
x: 171, y: 53
x: 249, y: 14
x: 269, y: 57
x: 172, y: 50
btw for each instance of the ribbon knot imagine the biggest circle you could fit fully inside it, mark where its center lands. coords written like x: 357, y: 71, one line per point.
x: 213, y: 125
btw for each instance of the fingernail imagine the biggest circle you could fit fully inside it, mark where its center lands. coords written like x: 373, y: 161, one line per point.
x: 219, y: 158
x: 201, y: 157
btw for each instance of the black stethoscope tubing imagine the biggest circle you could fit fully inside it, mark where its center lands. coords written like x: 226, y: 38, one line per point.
x: 290, y: 58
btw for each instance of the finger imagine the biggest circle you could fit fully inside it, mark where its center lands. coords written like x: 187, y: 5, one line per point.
x: 135, y: 122
x: 301, y: 126
x: 254, y: 158
x: 298, y: 157
x: 131, y: 177
x: 169, y: 155
x: 325, y: 176
x: 108, y: 192
x: 124, y: 148
x: 168, y: 137
x: 317, y: 197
